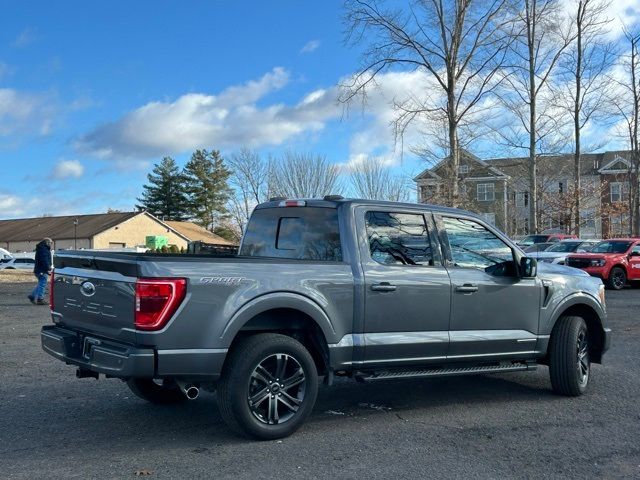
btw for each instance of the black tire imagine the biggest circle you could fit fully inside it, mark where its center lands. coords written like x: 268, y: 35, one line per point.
x: 569, y: 363
x: 277, y: 410
x: 165, y: 393
x: 617, y: 278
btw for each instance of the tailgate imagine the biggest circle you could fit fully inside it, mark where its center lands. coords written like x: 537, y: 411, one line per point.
x: 96, y: 296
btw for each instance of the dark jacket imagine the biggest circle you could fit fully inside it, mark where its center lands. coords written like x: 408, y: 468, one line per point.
x: 43, y: 258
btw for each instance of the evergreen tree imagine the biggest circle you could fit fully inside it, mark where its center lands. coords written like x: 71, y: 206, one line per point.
x: 164, y: 195
x: 207, y: 188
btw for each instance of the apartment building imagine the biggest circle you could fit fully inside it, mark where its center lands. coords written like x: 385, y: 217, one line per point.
x: 498, y: 190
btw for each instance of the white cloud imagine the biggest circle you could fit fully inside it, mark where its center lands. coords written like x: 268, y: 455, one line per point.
x: 25, y: 38
x: 67, y: 169
x: 195, y: 120
x: 9, y: 204
x: 310, y: 46
x: 24, y: 113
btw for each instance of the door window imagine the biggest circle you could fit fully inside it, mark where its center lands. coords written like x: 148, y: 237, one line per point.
x: 398, y: 238
x: 473, y: 246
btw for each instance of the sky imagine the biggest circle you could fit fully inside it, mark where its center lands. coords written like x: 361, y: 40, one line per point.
x: 93, y: 93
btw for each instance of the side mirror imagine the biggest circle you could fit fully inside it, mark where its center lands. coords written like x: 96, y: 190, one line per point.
x: 634, y: 254
x: 528, y: 267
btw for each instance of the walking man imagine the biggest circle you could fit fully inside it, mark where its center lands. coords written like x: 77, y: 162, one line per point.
x: 41, y: 270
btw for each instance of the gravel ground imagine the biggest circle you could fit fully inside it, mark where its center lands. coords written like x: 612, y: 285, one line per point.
x: 53, y: 425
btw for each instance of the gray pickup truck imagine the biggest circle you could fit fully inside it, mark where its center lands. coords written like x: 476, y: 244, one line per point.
x: 365, y: 289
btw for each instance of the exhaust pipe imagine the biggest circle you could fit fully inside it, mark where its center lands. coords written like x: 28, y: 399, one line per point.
x: 190, y: 391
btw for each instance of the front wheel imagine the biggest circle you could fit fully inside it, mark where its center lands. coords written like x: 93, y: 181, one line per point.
x: 569, y: 363
x: 268, y: 387
x: 617, y: 278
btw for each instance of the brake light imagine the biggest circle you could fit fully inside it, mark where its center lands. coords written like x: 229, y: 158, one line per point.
x: 157, y: 299
x: 292, y: 203
x: 51, y: 290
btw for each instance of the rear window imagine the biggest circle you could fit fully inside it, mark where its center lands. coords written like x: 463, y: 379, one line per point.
x: 300, y: 233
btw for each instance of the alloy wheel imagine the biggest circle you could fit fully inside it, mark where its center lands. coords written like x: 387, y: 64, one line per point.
x: 276, y: 389
x: 583, y: 363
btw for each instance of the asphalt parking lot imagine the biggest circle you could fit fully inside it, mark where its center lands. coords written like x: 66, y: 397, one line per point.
x: 53, y: 425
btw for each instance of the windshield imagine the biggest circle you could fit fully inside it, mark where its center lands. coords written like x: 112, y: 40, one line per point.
x: 563, y: 247
x: 611, y: 247
x: 531, y: 239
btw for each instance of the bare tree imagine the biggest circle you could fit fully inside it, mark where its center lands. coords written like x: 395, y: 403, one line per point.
x: 373, y: 179
x: 460, y: 44
x: 541, y: 35
x: 627, y: 103
x: 251, y: 183
x: 299, y: 175
x: 585, y: 86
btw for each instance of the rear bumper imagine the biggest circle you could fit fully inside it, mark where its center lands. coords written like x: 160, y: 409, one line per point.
x: 126, y: 361
x: 104, y: 357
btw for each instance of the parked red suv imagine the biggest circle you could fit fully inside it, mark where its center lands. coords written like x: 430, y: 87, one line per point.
x: 615, y: 261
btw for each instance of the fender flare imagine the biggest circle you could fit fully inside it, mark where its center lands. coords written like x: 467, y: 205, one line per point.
x: 578, y: 298
x: 276, y: 300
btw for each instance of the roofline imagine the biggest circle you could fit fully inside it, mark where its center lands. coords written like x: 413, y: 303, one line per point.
x: 318, y: 202
x: 167, y: 226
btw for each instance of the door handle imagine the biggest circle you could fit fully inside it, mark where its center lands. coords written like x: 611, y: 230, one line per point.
x: 467, y: 288
x: 383, y: 287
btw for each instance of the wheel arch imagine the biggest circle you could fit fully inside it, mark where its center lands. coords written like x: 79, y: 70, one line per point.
x: 619, y: 265
x: 288, y: 314
x: 592, y: 317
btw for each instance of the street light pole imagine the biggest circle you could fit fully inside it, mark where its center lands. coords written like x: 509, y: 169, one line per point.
x: 75, y: 234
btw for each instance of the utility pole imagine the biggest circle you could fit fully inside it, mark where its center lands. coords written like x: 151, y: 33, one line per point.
x: 75, y: 234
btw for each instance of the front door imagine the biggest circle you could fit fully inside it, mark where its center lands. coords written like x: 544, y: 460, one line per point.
x: 407, y: 289
x: 494, y: 312
x: 634, y: 263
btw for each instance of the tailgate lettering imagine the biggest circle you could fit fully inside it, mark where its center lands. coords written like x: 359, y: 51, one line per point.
x: 94, y: 308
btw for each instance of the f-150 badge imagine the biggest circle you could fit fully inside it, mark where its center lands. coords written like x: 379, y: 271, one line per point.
x: 222, y: 280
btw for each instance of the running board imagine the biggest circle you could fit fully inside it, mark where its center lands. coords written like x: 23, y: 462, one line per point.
x: 442, y: 372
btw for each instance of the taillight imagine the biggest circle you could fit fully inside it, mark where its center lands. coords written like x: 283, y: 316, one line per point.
x: 157, y: 299
x: 51, y: 290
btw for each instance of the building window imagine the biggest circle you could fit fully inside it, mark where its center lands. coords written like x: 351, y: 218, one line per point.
x: 485, y: 192
x: 618, y: 192
x: 428, y: 192
x: 522, y: 199
x: 490, y: 218
x: 462, y: 169
x: 463, y: 189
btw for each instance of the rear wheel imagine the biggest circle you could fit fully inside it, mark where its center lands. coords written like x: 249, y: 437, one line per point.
x: 268, y: 387
x: 569, y: 362
x: 617, y: 278
x: 161, y: 392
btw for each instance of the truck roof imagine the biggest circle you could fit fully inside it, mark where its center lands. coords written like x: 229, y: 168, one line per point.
x: 334, y: 201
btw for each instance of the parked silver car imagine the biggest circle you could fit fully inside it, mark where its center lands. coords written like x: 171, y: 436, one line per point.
x: 558, y: 252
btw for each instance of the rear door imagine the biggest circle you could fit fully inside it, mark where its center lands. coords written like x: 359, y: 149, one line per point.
x: 96, y: 296
x: 493, y: 311
x: 407, y: 289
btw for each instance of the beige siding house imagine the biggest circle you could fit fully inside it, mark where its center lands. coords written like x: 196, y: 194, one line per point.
x: 99, y: 231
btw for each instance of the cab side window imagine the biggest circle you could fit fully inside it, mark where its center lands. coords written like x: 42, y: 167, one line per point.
x: 636, y: 249
x: 473, y: 246
x: 398, y: 238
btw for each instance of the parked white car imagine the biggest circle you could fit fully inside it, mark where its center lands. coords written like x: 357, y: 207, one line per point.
x: 557, y: 253
x: 18, y: 264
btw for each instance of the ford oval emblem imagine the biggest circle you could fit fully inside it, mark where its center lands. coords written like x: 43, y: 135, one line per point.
x: 87, y: 289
